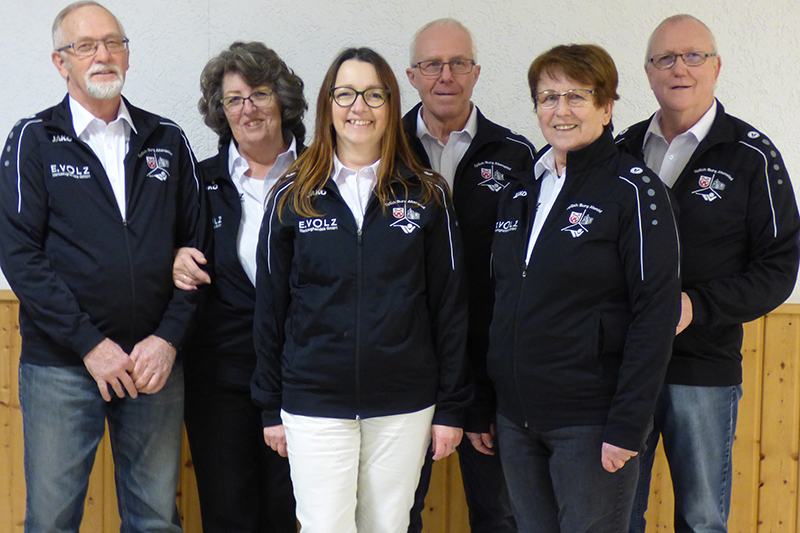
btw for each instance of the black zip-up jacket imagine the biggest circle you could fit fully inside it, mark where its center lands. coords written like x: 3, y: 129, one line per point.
x: 479, y: 180
x: 222, y: 342
x: 739, y: 233
x: 361, y: 323
x: 82, y: 273
x: 582, y: 335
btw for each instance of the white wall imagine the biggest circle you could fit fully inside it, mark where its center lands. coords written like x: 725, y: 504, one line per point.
x: 171, y: 42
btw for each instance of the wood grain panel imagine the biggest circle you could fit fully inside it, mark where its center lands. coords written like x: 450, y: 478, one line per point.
x: 765, y: 493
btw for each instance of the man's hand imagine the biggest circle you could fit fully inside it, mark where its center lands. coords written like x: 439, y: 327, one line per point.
x: 444, y: 440
x: 483, y: 442
x: 275, y: 437
x: 686, y: 313
x: 614, y: 458
x: 110, y: 365
x: 186, y: 273
x: 153, y: 358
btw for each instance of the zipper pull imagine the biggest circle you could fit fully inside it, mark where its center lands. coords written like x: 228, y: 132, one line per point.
x: 359, y: 236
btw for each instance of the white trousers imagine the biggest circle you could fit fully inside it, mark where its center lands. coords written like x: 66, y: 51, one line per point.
x: 356, y: 475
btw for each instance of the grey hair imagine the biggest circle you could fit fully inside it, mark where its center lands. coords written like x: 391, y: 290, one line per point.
x: 58, y: 34
x: 678, y: 18
x: 443, y: 22
x: 258, y: 65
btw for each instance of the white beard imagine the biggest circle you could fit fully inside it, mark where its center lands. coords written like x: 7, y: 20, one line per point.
x: 105, y: 90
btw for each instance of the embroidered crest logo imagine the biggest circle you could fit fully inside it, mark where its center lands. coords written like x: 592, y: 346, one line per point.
x: 493, y: 179
x: 405, y: 219
x: 578, y: 220
x: 710, y: 188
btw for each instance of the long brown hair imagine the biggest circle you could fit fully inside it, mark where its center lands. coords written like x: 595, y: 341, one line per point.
x: 313, y: 168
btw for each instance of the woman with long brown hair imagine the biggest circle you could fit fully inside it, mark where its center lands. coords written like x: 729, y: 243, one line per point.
x: 360, y: 310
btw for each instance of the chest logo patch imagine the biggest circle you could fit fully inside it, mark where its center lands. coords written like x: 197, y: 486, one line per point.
x: 710, y: 183
x: 579, y: 218
x: 317, y: 224
x: 76, y: 172
x: 492, y: 176
x: 506, y: 226
x: 157, y: 160
x: 405, y: 219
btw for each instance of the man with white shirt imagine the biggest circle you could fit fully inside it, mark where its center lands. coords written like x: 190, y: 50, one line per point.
x: 451, y: 136
x: 96, y: 195
x: 739, y: 227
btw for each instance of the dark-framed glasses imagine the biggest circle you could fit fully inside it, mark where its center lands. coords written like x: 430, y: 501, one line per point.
x: 88, y: 47
x: 259, y: 99
x: 435, y: 67
x: 573, y: 97
x: 373, y: 96
x: 691, y: 59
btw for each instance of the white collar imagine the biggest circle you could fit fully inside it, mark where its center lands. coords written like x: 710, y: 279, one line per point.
x: 545, y: 163
x: 340, y: 172
x: 82, y: 118
x: 699, y: 130
x: 238, y: 165
x: 470, y: 128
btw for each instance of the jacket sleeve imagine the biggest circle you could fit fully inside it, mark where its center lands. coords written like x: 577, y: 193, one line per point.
x: 274, y: 257
x: 447, y: 301
x: 649, y: 250
x: 191, y: 230
x: 24, y: 200
x: 770, y: 263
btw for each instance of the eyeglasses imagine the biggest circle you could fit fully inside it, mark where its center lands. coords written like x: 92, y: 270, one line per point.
x: 373, y: 96
x: 574, y: 98
x: 434, y: 67
x: 691, y: 59
x: 88, y: 47
x: 259, y: 99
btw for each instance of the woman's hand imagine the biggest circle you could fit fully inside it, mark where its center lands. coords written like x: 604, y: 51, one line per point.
x: 275, y: 437
x: 614, y: 458
x: 186, y: 274
x: 444, y: 440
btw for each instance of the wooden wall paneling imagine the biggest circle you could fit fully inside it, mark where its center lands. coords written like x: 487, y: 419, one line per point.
x: 188, y: 499
x: 11, y: 419
x: 747, y: 444
x: 780, y: 421
x: 434, y: 516
x: 457, y: 510
x: 661, y: 502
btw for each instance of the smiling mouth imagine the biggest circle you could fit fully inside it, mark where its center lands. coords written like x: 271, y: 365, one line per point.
x: 253, y: 122
x: 360, y: 122
x: 565, y: 127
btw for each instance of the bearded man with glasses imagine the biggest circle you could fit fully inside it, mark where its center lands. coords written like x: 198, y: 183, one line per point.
x: 739, y: 227
x: 450, y: 135
x: 96, y: 196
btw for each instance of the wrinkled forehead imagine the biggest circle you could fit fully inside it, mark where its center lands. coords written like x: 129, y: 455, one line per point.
x: 90, y: 22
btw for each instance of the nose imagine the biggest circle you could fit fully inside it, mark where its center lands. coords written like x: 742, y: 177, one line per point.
x: 680, y: 65
x: 360, y: 103
x: 562, y: 107
x: 247, y: 101
x: 102, y: 52
x: 446, y: 74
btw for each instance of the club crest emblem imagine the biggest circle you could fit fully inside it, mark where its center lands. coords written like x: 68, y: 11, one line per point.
x: 574, y: 217
x: 493, y: 179
x: 579, y: 220
x: 151, y: 161
x: 704, y: 181
x: 398, y: 212
x: 405, y: 219
x: 486, y: 173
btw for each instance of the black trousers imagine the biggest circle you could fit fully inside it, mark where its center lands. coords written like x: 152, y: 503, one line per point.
x: 244, y: 486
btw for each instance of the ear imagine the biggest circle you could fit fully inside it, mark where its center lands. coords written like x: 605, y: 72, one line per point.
x: 61, y: 64
x: 719, y: 67
x: 412, y: 77
x: 477, y: 70
x: 607, y: 112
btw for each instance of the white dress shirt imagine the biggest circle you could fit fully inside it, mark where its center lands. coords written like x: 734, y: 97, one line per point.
x: 109, y: 142
x: 668, y: 159
x: 253, y: 193
x: 446, y: 157
x: 355, y: 187
x: 552, y: 183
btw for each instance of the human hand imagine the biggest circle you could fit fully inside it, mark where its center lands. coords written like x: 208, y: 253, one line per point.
x: 275, y: 437
x: 614, y: 457
x: 483, y: 442
x: 153, y: 358
x: 186, y: 274
x: 110, y: 365
x: 444, y: 440
x: 686, y: 313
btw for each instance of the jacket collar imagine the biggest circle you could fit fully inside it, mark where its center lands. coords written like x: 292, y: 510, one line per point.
x: 60, y: 117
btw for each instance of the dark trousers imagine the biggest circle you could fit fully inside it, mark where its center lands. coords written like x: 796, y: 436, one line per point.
x: 244, y: 486
x: 557, y: 482
x: 484, y: 486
